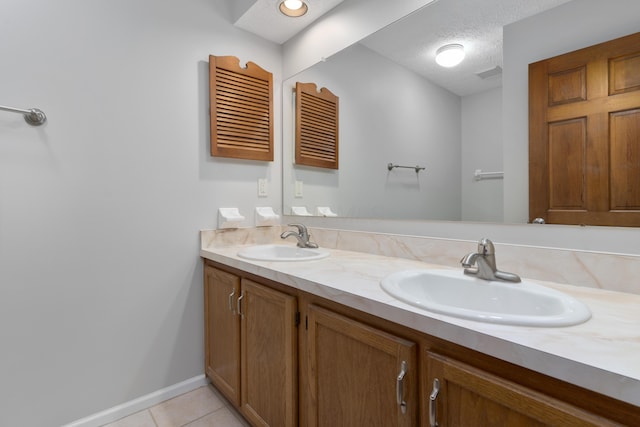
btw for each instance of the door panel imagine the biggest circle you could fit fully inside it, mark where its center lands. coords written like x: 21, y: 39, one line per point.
x: 222, y: 332
x: 625, y: 151
x: 268, y: 356
x: 353, y: 374
x: 468, y: 396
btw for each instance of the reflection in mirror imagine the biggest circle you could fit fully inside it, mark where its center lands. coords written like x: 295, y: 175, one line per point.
x: 387, y: 115
x: 316, y: 120
x: 413, y: 114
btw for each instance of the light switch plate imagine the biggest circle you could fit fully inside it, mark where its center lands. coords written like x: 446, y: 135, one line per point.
x: 262, y: 187
x: 298, y: 190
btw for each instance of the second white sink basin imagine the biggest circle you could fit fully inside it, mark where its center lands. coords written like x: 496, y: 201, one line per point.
x: 453, y: 293
x: 281, y: 253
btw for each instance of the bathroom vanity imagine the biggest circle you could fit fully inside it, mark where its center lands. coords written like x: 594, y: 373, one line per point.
x: 318, y: 343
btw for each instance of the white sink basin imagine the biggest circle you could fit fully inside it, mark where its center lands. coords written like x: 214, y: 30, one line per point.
x: 453, y: 293
x: 281, y: 253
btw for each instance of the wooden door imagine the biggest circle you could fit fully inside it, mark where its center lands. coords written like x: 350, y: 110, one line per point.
x: 268, y: 356
x: 354, y: 374
x: 222, y: 332
x: 470, y: 397
x: 584, y: 136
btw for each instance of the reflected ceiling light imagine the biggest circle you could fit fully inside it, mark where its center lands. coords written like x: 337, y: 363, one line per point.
x: 450, y: 55
x: 293, y: 8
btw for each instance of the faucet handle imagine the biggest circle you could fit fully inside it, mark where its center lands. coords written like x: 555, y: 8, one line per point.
x: 485, y: 247
x: 301, y: 227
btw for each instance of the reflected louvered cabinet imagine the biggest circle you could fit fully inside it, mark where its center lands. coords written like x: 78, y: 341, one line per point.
x: 316, y: 126
x: 241, y: 109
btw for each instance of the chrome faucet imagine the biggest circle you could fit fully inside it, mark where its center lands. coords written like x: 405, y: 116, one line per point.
x: 302, y: 236
x: 485, y: 261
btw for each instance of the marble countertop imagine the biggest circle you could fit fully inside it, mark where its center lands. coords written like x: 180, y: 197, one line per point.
x: 602, y: 354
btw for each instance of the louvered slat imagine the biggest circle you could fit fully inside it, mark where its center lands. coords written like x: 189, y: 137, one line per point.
x: 316, y: 126
x: 241, y: 109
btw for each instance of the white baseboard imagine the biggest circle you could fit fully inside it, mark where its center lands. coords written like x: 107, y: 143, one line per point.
x: 136, y: 405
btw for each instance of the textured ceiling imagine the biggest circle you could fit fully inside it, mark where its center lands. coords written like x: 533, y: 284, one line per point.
x: 264, y: 19
x: 413, y: 40
x: 476, y: 24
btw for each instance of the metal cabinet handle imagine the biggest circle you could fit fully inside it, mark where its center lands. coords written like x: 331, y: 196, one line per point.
x: 433, y: 409
x: 400, y: 387
x: 231, y: 300
x: 239, y: 304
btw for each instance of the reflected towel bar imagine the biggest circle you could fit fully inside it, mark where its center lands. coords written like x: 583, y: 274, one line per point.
x: 33, y: 116
x: 391, y: 166
x: 479, y: 175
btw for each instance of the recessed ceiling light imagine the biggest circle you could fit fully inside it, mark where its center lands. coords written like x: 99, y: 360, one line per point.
x: 450, y: 55
x: 293, y: 8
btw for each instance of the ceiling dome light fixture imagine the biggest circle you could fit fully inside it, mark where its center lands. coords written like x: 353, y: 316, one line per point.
x: 450, y: 55
x: 293, y: 8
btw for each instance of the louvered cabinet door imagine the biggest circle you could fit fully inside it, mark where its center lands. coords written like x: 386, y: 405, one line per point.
x: 316, y: 126
x: 241, y: 109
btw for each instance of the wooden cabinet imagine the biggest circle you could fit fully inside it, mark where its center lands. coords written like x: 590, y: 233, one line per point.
x: 461, y: 395
x: 358, y: 375
x: 222, y: 332
x: 251, y: 347
x: 268, y: 356
x: 359, y: 370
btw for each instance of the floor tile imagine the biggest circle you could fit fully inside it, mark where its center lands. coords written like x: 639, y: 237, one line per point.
x: 186, y: 408
x: 139, y: 419
x: 220, y: 418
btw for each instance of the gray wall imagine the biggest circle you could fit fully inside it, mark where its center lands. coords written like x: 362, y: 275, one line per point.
x: 482, y: 149
x: 100, y: 279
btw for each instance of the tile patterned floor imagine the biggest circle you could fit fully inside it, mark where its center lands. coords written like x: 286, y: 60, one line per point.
x: 202, y: 407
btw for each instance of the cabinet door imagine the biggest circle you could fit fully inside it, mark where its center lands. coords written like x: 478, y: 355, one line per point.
x: 358, y: 374
x: 470, y: 397
x: 269, y: 361
x: 222, y: 332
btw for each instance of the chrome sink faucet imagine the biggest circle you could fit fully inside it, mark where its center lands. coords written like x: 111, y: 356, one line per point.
x: 485, y: 261
x: 302, y: 236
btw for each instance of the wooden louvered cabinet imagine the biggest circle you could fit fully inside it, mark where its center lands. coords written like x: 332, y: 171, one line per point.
x: 250, y: 347
x: 317, y: 130
x: 241, y: 109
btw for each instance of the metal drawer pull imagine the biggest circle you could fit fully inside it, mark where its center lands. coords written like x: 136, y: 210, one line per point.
x: 231, y: 300
x: 400, y: 387
x: 433, y: 410
x: 239, y: 304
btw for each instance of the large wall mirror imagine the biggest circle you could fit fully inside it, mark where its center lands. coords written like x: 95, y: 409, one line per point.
x: 397, y: 106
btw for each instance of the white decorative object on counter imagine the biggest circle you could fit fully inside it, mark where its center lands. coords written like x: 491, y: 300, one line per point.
x: 229, y: 218
x: 300, y: 211
x: 325, y: 211
x: 265, y: 216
